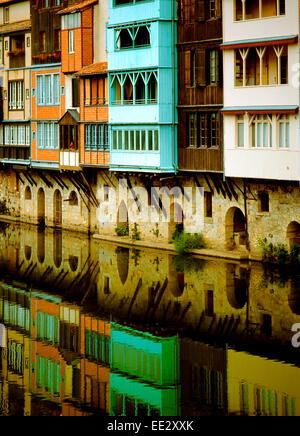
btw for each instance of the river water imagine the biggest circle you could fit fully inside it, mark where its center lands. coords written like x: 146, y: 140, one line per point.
x: 95, y: 328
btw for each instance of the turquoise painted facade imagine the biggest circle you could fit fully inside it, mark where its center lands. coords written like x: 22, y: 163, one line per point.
x: 142, y: 73
x: 145, y: 373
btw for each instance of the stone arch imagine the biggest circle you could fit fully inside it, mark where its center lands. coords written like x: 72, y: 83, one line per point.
x: 176, y: 221
x: 41, y: 207
x: 28, y: 195
x: 293, y: 233
x: 57, y: 208
x: 123, y: 263
x: 235, y: 228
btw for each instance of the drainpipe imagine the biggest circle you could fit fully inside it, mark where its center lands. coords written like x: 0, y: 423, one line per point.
x: 173, y: 88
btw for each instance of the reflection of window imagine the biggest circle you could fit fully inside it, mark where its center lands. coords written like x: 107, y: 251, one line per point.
x: 27, y: 193
x: 244, y: 398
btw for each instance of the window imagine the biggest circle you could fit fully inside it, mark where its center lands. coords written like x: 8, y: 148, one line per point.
x: 240, y: 131
x: 71, y: 41
x: 16, y: 134
x: 28, y: 41
x: 16, y: 95
x: 213, y: 66
x: 95, y: 91
x: 260, y: 66
x: 135, y: 140
x: 133, y: 37
x: 57, y: 39
x: 71, y: 21
x: 261, y: 131
x: 266, y: 326
x: 48, y: 89
x: 254, y: 9
x: 47, y: 136
x: 6, y: 15
x: 284, y: 131
x: 106, y: 288
x: 134, y: 88
x: 263, y: 202
x: 75, y: 92
x: 69, y: 137
x: 127, y: 2
x: 212, y: 8
x: 203, y: 130
x: 208, y: 210
x: 209, y: 303
x: 96, y: 137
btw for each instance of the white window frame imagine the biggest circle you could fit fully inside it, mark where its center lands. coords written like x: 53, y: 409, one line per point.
x: 48, y: 89
x: 71, y: 42
x: 283, y: 121
x: 16, y: 95
x: 47, y: 136
x: 257, y: 125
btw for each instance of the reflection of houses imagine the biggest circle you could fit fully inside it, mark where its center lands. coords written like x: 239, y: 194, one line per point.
x: 203, y: 372
x: 262, y: 387
x: 144, y: 374
x: 94, y: 366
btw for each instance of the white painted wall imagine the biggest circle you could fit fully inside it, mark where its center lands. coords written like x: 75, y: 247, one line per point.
x: 100, y: 20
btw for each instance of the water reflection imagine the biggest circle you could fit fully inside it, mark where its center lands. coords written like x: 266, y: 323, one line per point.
x: 90, y: 328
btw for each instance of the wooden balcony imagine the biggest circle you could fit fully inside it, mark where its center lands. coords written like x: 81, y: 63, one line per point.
x: 198, y: 159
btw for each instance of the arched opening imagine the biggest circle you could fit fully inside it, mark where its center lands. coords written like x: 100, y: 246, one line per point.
x: 41, y: 245
x: 57, y: 208
x: 73, y: 262
x: 123, y: 263
x: 176, y: 221
x: 41, y: 207
x: 73, y: 199
x: 122, y: 220
x: 237, y: 285
x: 57, y: 248
x: 235, y: 228
x: 28, y: 193
x: 27, y: 252
x: 293, y: 233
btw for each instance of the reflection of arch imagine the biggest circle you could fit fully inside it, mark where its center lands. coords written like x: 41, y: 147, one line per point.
x: 176, y: 279
x: 293, y: 233
x: 41, y: 206
x: 73, y: 262
x: 28, y: 193
x: 27, y: 252
x: 294, y: 298
x: 73, y: 199
x: 176, y: 218
x: 57, y: 248
x: 57, y: 208
x: 235, y: 227
x: 237, y: 285
x: 41, y: 246
x: 123, y: 263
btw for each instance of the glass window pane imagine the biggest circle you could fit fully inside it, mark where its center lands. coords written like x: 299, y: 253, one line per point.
x: 259, y: 135
x: 241, y: 135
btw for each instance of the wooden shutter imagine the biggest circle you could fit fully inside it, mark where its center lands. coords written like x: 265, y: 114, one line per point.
x: 200, y: 10
x: 200, y: 67
x: 218, y: 8
x: 187, y: 68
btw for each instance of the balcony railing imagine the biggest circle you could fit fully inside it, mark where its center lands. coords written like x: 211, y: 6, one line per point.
x: 134, y: 102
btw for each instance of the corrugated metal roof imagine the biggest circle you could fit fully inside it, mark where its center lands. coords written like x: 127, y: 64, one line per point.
x: 260, y: 41
x: 77, y: 6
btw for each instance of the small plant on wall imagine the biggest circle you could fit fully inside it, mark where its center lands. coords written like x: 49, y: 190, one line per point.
x: 136, y: 235
x: 122, y: 230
